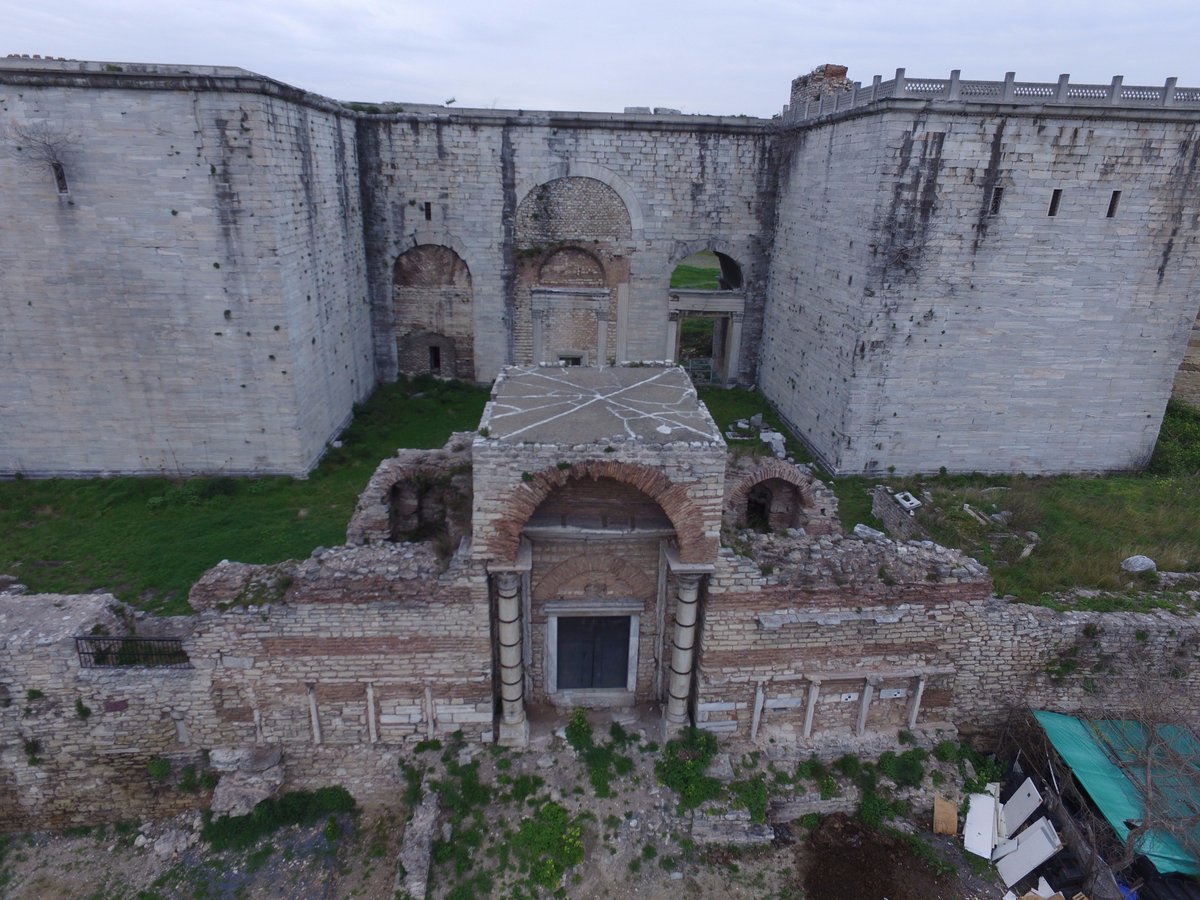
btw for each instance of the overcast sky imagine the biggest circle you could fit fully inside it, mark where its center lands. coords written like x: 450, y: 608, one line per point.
x: 702, y: 56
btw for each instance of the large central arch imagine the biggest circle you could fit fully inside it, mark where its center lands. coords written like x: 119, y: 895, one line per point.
x: 695, y: 546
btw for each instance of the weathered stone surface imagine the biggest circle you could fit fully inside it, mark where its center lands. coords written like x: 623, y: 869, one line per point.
x: 1138, y: 564
x: 238, y: 792
x: 412, y: 878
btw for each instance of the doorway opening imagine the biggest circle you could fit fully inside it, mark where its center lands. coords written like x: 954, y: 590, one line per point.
x: 593, y: 652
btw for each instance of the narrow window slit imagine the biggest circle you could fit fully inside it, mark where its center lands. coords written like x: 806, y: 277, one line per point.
x: 1055, y: 200
x: 60, y: 177
x: 428, y: 212
x: 997, y: 196
x: 1112, y: 204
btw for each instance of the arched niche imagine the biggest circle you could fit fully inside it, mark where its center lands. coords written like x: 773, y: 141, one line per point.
x: 433, y: 303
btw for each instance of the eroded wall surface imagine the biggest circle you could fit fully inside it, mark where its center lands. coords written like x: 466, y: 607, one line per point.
x: 688, y: 183
x: 196, y: 300
x: 979, y: 331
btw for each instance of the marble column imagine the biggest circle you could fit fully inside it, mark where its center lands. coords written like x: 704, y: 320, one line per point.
x: 514, y: 728
x: 683, y: 649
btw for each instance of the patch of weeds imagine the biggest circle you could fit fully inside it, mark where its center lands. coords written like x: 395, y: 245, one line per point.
x: 33, y: 694
x: 811, y: 768
x: 906, y: 769
x: 259, y: 857
x: 936, y: 778
x: 33, y: 747
x: 874, y: 809
x: 907, y: 737
x: 602, y: 761
x: 669, y: 863
x: 82, y: 709
x: 525, y: 786
x: 987, y: 769
x: 159, y: 768
x: 332, y: 830
x: 295, y: 808
x: 649, y: 851
x: 945, y: 751
x: 412, y: 784
x: 189, y: 781
x: 684, y: 765
x: 849, y: 765
x: 428, y: 746
x: 752, y: 794
x: 548, y: 844
x: 828, y: 787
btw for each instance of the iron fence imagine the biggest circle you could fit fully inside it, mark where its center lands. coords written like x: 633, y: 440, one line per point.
x: 128, y: 652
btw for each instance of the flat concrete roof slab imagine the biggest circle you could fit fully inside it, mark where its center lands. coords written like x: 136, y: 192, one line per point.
x: 582, y: 405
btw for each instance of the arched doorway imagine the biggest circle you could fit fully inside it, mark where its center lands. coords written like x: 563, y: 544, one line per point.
x: 572, y: 238
x: 433, y: 300
x: 705, y: 312
x: 596, y: 610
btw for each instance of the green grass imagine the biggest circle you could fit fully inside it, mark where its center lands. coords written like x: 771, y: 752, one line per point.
x: 148, y: 539
x: 295, y: 808
x: 1086, y: 526
x: 698, y: 272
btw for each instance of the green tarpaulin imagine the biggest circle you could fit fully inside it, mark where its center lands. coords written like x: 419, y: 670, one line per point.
x: 1109, y: 758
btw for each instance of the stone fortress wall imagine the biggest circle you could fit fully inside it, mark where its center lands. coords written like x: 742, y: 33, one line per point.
x: 228, y: 269
x: 196, y: 299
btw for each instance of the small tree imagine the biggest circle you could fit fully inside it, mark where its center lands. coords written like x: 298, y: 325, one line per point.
x: 42, y: 145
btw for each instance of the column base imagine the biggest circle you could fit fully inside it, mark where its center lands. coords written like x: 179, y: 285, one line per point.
x: 672, y: 729
x: 513, y: 735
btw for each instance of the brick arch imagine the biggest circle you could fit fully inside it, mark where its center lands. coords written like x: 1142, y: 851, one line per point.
x: 637, y: 582
x: 688, y: 520
x: 735, y: 498
x: 570, y: 266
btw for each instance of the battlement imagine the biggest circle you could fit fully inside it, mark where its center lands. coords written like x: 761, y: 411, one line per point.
x: 1115, y: 95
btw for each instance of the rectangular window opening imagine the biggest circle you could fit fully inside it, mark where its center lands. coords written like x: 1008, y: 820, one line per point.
x: 593, y: 652
x: 1112, y: 204
x: 997, y: 196
x: 1055, y: 200
x: 435, y: 360
x: 60, y: 177
x: 428, y: 212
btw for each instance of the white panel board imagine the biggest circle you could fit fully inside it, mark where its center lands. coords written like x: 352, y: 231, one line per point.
x: 1035, y: 845
x: 1020, y: 806
x: 979, y: 832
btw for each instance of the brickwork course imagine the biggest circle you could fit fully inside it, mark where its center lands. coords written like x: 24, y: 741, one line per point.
x: 992, y: 276
x: 581, y: 498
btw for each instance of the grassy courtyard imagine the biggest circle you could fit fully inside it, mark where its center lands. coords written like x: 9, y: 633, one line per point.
x: 148, y: 539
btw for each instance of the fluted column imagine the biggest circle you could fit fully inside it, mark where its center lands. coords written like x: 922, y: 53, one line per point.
x: 683, y: 648
x: 514, y: 730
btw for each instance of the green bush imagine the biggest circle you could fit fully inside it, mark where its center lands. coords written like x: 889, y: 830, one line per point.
x: 684, y: 765
x: 295, y: 808
x: 159, y: 768
x: 945, y: 751
x: 906, y: 769
x: 752, y: 794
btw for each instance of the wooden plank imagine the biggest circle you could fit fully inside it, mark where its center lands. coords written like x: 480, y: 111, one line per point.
x: 945, y: 816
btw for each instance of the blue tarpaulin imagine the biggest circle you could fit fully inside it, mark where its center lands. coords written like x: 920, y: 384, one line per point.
x: 1109, y: 758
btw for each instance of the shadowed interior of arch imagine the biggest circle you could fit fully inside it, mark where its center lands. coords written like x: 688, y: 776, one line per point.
x: 602, y: 504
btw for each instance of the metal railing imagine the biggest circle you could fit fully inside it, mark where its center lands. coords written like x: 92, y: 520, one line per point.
x: 954, y: 89
x: 128, y: 652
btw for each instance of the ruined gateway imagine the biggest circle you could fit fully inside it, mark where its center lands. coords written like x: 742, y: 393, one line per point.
x: 211, y: 267
x: 995, y: 276
x: 596, y: 543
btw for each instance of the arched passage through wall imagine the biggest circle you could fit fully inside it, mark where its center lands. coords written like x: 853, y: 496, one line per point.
x: 433, y: 303
x: 705, y: 311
